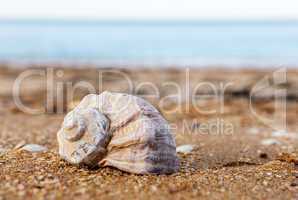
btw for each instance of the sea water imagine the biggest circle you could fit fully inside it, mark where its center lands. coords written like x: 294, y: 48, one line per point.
x: 179, y: 43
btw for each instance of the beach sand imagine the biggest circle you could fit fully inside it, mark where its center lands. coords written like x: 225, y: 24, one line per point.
x: 246, y: 158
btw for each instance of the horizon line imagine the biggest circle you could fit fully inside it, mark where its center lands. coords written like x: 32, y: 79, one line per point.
x: 107, y: 21
x: 74, y: 19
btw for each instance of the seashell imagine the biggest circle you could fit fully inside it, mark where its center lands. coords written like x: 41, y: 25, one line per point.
x: 20, y: 145
x: 118, y: 130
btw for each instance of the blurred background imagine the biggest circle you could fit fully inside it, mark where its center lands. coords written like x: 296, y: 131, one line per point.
x: 150, y: 33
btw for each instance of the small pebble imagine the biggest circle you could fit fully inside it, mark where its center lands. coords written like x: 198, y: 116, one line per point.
x: 284, y: 133
x: 280, y: 133
x: 269, y: 174
x: 263, y: 155
x: 34, y: 148
x: 253, y: 131
x: 268, y: 142
x: 294, y: 183
x: 185, y: 149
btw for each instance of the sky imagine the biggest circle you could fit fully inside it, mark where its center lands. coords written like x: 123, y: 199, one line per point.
x: 149, y: 9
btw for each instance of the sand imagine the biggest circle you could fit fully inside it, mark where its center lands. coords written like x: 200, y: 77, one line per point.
x: 233, y: 164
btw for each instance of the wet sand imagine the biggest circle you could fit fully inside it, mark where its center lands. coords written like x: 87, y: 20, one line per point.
x: 230, y: 162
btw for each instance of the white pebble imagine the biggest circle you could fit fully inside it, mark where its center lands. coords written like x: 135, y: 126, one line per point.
x: 268, y: 142
x: 185, y: 148
x: 34, y: 148
x: 280, y: 133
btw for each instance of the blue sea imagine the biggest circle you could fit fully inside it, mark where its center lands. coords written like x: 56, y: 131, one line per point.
x: 156, y: 43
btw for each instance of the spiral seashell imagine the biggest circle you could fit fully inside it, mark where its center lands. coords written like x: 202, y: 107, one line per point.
x: 118, y: 130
